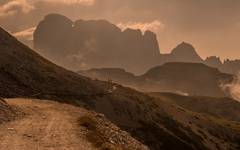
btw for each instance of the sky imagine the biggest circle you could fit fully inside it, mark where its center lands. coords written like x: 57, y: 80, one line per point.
x: 212, y: 26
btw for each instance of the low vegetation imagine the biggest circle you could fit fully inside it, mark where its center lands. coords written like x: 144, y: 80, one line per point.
x: 7, y: 113
x: 106, y: 136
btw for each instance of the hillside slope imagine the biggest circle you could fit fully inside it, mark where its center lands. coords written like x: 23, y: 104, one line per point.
x: 189, y: 78
x: 25, y: 73
x: 110, y: 74
x: 154, y: 122
x: 164, y: 125
x: 226, y: 108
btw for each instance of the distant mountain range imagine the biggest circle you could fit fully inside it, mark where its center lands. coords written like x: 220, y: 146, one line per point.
x: 181, y: 78
x: 152, y: 121
x: 100, y: 44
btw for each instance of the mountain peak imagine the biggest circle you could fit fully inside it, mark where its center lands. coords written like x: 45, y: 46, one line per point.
x: 184, y: 47
x: 57, y: 17
x: 186, y: 51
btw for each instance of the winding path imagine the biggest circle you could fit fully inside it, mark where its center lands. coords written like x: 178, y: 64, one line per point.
x: 47, y: 125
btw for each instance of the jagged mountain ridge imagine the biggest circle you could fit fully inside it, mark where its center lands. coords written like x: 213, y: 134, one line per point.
x: 94, y: 43
x: 101, y: 44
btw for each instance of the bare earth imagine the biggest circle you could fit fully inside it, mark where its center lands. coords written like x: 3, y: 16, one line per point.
x: 47, y: 126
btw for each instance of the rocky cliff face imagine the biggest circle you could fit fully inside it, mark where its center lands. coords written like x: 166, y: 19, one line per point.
x: 95, y: 43
x: 57, y: 31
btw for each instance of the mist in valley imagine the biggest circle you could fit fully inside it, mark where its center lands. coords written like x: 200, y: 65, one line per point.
x: 234, y: 87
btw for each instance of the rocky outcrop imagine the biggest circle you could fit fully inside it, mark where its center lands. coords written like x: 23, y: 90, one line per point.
x: 213, y: 61
x: 228, y: 66
x: 231, y: 66
x: 105, y: 135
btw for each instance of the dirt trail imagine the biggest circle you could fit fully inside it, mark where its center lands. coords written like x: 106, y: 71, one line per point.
x: 47, y: 126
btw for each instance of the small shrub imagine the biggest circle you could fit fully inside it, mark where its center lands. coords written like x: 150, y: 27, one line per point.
x: 88, y: 122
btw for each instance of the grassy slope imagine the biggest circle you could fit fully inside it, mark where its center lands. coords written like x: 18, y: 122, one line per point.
x: 224, y: 107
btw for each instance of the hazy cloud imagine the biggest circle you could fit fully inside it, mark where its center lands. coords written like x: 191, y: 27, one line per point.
x: 80, y: 2
x: 234, y: 88
x: 155, y: 26
x: 14, y: 7
x: 26, y: 34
